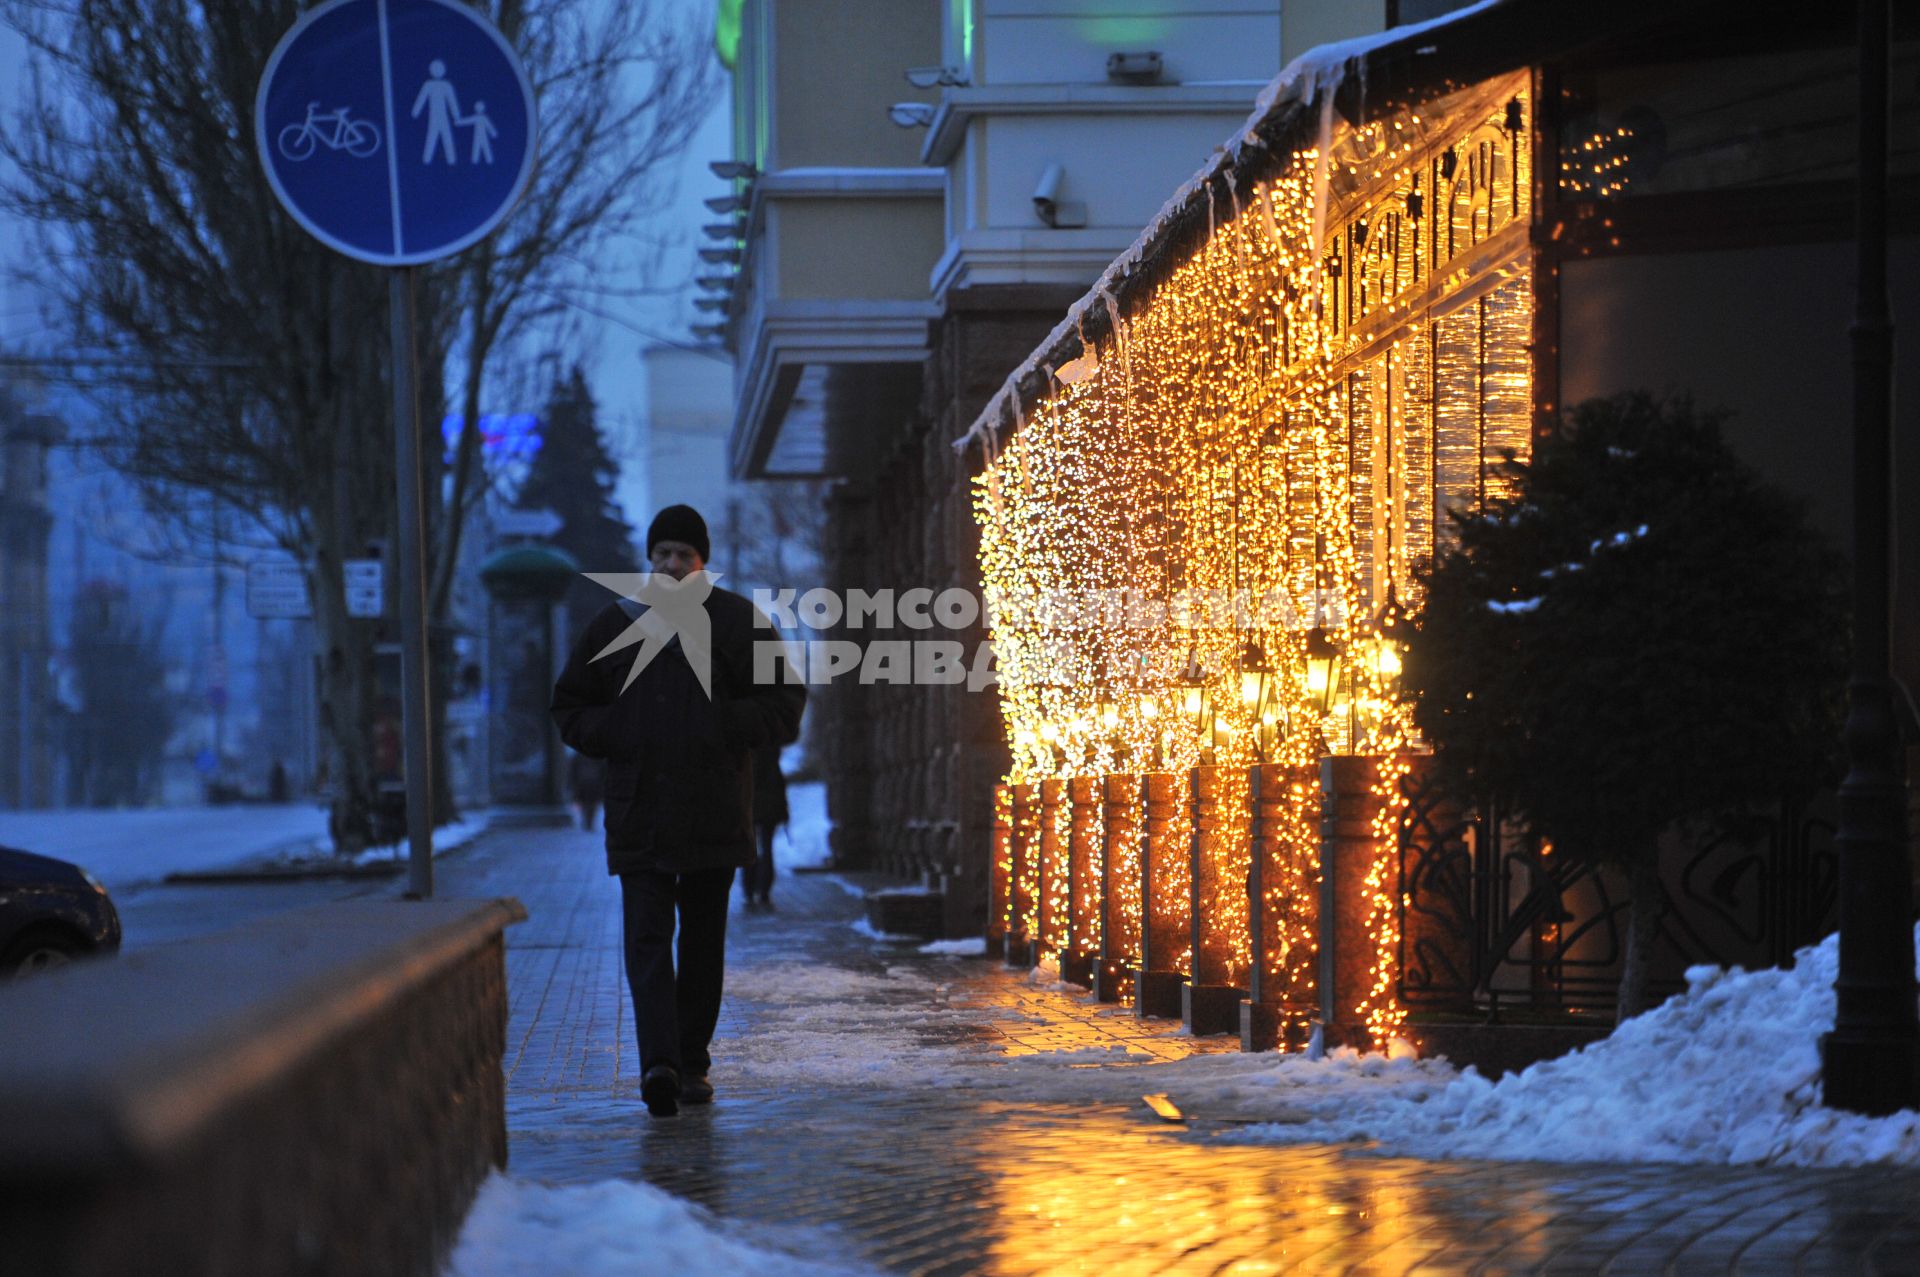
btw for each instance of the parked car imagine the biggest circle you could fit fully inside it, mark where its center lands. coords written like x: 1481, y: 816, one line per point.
x: 51, y: 912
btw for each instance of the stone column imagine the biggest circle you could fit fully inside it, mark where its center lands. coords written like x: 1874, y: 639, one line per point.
x: 1000, y: 876
x: 1084, y: 880
x: 1283, y: 907
x: 1164, y: 898
x: 1121, y: 838
x: 1218, y: 866
x: 1347, y: 850
x: 1052, y: 933
x: 1022, y: 874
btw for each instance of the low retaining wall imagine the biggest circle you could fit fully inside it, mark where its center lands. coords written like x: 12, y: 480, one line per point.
x: 317, y: 1092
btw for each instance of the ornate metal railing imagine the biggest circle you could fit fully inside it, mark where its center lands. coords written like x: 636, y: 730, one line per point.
x: 1493, y: 920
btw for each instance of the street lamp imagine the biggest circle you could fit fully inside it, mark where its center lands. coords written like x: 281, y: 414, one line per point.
x: 1109, y: 712
x: 1323, y: 669
x: 1870, y: 1063
x: 1260, y: 692
x: 1196, y: 702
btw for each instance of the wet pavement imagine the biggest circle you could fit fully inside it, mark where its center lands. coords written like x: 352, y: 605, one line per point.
x: 920, y: 1175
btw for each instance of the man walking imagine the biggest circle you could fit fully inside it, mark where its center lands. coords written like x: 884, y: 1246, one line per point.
x: 679, y: 788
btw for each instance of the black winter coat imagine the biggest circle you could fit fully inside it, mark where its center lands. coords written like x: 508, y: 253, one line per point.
x: 679, y: 784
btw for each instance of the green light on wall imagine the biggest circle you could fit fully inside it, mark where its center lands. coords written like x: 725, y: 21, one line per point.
x: 963, y: 19
x: 726, y: 32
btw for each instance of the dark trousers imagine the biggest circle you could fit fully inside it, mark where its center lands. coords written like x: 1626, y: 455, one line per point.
x: 759, y: 882
x: 674, y: 1014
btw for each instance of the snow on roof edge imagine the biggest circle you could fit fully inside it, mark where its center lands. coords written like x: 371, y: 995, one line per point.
x: 1320, y: 70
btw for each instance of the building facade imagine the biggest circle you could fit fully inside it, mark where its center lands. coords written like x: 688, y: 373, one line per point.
x: 925, y: 189
x: 1218, y: 473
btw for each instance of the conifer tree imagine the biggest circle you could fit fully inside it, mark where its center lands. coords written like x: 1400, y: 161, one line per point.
x: 1644, y: 638
x: 574, y: 475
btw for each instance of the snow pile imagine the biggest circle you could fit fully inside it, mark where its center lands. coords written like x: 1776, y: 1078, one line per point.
x: 1727, y: 1073
x: 616, y: 1228
x: 806, y: 833
x: 862, y: 927
x: 965, y: 947
x: 448, y: 837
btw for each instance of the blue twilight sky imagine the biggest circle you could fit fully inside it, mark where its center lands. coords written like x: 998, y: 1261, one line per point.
x: 610, y: 333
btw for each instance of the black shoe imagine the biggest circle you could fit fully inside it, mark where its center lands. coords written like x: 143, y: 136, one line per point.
x: 766, y: 902
x: 697, y: 1090
x: 660, y: 1090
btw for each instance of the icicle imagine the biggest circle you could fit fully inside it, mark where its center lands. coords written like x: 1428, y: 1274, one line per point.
x: 1269, y: 220
x: 1322, y: 176
x: 1120, y: 337
x: 1209, y: 186
x: 1239, y: 230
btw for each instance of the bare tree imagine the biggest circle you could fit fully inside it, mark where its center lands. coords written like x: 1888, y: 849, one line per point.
x: 621, y: 89
x: 260, y: 356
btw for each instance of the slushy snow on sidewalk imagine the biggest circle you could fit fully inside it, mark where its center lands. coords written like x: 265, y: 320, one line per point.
x: 1726, y: 1073
x: 614, y: 1229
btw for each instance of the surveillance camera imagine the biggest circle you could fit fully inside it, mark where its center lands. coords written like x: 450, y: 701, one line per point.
x: 1047, y: 204
x: 911, y: 115
x: 935, y: 77
x: 1135, y: 68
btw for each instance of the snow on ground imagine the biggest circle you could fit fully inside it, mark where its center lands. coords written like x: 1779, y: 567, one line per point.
x: 802, y: 842
x: 966, y: 947
x: 614, y: 1228
x: 126, y: 849
x: 867, y: 929
x: 1726, y: 1073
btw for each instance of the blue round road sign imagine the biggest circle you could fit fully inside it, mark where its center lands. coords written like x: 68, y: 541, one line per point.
x: 395, y: 131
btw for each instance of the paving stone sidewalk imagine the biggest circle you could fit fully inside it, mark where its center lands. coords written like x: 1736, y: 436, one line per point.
x: 936, y: 1180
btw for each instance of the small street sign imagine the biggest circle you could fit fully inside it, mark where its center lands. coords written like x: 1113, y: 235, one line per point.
x: 527, y: 523
x: 365, y: 587
x: 395, y: 131
x: 277, y: 590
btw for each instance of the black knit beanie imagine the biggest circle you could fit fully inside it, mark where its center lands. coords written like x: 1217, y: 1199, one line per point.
x: 680, y: 523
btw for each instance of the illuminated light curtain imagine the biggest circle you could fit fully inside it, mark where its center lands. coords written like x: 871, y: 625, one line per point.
x: 1277, y: 416
x: 1506, y: 390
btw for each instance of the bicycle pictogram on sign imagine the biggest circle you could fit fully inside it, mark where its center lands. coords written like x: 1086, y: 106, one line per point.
x: 336, y: 130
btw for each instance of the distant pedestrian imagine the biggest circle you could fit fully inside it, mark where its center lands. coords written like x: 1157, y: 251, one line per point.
x: 678, y: 787
x: 277, y: 787
x: 586, y: 783
x: 769, y: 813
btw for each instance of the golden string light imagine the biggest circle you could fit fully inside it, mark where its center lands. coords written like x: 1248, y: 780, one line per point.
x: 1252, y: 464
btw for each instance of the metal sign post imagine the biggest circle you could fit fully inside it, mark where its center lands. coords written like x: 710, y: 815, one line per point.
x: 399, y: 132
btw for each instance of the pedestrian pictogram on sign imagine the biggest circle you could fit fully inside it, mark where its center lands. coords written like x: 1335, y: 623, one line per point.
x: 395, y: 131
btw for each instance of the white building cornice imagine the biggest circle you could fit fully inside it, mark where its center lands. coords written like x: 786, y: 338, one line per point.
x: 959, y: 107
x: 851, y: 183
x: 788, y: 336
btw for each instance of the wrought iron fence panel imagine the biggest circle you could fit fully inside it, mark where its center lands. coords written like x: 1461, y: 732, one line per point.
x: 1491, y: 918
